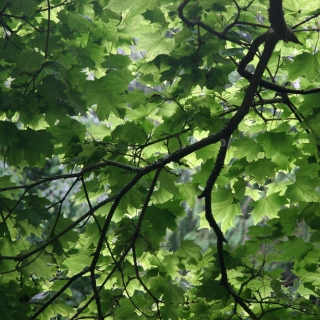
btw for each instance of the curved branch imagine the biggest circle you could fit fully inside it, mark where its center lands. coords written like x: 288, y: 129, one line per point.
x: 57, y: 294
x: 269, y: 85
x: 304, y: 21
x: 93, y: 167
x: 197, y: 22
x: 217, y: 169
x: 271, y: 41
x: 236, y: 19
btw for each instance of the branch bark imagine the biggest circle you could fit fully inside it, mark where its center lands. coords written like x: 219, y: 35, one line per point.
x: 278, y: 23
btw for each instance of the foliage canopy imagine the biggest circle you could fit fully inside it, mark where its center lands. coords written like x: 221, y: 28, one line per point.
x: 119, y: 117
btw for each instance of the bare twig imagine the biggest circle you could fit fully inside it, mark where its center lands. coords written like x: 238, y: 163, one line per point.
x: 48, y: 30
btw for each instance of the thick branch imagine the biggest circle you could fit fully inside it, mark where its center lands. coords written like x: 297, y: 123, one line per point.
x: 278, y: 23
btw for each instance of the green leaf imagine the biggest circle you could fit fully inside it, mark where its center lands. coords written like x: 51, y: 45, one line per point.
x: 223, y: 208
x: 105, y: 31
x: 261, y: 169
x: 135, y: 8
x: 8, y: 133
x: 94, y: 93
x: 116, y: 61
x: 79, y: 22
x: 154, y: 44
x: 91, y: 55
x: 102, y: 91
x: 10, y: 248
x: 247, y: 147
x: 126, y: 309
x: 129, y: 132
x: 64, y: 131
x: 155, y: 16
x: 213, y: 290
x: 189, y: 250
x: 42, y: 267
x: 276, y: 142
x: 259, y: 231
x: 303, y: 189
x: 215, y: 78
x: 76, y: 261
x: 37, y: 143
x: 170, y: 312
x: 141, y: 112
x: 160, y: 220
x: 6, y: 183
x: 33, y: 216
x: 172, y: 294
x: 52, y: 89
x: 294, y: 248
x: 305, y: 64
x: 188, y: 192
x: 116, y: 81
x: 30, y: 61
x: 27, y: 7
x: 267, y: 206
x: 288, y: 220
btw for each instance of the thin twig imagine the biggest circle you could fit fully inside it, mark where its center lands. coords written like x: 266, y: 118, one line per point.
x: 48, y: 31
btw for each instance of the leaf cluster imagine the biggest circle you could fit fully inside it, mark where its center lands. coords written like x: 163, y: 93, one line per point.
x: 118, y: 119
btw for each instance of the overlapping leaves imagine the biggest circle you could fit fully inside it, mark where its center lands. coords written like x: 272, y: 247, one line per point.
x: 113, y: 89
